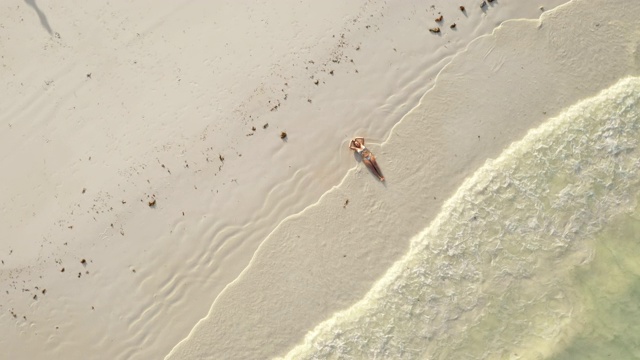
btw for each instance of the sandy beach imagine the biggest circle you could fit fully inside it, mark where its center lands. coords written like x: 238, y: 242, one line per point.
x: 177, y: 182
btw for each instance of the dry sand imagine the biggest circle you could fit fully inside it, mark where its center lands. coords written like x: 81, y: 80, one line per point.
x: 109, y: 107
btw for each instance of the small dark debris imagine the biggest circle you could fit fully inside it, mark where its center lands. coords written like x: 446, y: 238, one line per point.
x: 70, y: 226
x: 265, y: 126
x: 453, y: 26
x: 152, y: 203
x: 331, y: 72
x: 35, y: 297
x: 221, y: 157
x: 89, y: 76
x: 309, y: 101
x: 345, y: 203
x: 124, y: 202
x: 283, y: 135
x: 83, y: 262
x: 84, y: 190
x: 133, y: 270
x: 316, y: 82
x: 439, y: 18
x: 44, y: 291
x: 253, y: 128
x: 462, y: 8
x: 79, y: 275
x: 435, y: 30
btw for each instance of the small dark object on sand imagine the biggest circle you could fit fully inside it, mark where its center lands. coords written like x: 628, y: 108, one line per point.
x: 435, y: 30
x: 453, y: 26
x: 152, y: 203
x: 439, y: 18
x: 461, y: 8
x: 283, y: 135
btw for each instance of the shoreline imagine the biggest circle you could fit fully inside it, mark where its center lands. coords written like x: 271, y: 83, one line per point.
x: 268, y: 299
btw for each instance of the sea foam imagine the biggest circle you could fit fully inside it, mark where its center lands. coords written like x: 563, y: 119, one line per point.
x: 500, y: 271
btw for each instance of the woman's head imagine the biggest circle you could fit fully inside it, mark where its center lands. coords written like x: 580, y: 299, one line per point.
x: 356, y: 143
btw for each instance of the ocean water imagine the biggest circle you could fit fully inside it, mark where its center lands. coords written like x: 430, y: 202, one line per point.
x: 536, y: 256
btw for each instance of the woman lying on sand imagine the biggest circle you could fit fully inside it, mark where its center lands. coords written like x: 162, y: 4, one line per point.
x: 357, y: 144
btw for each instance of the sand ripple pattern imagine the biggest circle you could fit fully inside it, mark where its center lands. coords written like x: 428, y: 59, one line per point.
x: 492, y: 276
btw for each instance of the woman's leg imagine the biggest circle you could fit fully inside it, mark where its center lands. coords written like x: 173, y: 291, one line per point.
x: 375, y: 166
x: 371, y: 164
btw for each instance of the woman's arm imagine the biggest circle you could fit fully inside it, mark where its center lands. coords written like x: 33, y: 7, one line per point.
x: 351, y: 146
x: 361, y: 140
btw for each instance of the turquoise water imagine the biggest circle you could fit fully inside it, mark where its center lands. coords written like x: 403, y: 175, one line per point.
x: 536, y: 256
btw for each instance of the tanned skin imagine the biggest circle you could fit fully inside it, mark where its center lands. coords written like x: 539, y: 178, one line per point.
x: 367, y: 157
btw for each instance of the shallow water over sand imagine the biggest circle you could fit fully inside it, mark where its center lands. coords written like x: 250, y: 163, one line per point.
x: 535, y: 256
